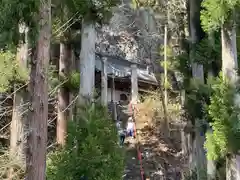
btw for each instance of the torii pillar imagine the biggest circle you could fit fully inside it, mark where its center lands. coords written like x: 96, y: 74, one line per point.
x: 104, y: 84
x: 134, y: 84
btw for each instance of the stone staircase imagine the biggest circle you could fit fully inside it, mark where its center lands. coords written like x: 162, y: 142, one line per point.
x: 132, y: 169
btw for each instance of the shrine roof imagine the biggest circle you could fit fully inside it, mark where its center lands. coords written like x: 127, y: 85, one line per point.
x: 119, y: 67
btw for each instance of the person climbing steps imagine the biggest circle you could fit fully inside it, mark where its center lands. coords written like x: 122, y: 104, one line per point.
x: 121, y: 131
x: 122, y: 135
x: 130, y: 127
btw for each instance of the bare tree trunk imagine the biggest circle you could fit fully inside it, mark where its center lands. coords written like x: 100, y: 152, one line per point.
x: 232, y: 167
x: 63, y: 93
x: 184, y: 143
x: 229, y: 68
x: 18, y: 127
x: 165, y: 65
x: 198, y: 75
x: 229, y: 53
x: 211, y: 170
x: 71, y: 97
x: 38, y: 99
x: 104, y: 83
x: 18, y: 124
x: 184, y: 140
x: 87, y: 61
x: 166, y: 79
x: 211, y: 164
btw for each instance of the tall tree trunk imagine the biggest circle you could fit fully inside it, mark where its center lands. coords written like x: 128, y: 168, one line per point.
x: 18, y: 124
x: 232, y: 167
x: 184, y: 140
x: 166, y: 123
x: 198, y: 74
x: 211, y: 164
x: 229, y: 68
x: 38, y: 99
x: 104, y: 83
x: 165, y: 65
x: 229, y: 52
x: 87, y: 61
x: 72, y: 68
x: 63, y: 93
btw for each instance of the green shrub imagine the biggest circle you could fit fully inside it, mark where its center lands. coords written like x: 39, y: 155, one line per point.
x: 224, y: 114
x: 10, y: 71
x: 195, y: 174
x: 73, y: 82
x: 91, y: 150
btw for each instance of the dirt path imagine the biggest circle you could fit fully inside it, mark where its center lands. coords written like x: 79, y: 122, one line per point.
x: 161, y: 157
x: 132, y: 171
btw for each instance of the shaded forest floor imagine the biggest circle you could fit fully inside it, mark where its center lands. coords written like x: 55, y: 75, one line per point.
x: 161, y: 156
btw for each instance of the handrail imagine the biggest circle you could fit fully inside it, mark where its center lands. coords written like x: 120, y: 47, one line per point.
x: 132, y: 110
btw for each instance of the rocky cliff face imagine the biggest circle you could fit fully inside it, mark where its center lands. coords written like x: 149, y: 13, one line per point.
x: 132, y: 34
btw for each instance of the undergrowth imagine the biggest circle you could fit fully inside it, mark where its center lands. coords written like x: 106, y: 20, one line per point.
x: 91, y: 151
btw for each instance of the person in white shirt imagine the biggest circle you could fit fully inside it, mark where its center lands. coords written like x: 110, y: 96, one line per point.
x: 130, y: 127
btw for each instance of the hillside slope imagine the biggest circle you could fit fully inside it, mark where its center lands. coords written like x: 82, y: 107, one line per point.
x: 161, y: 156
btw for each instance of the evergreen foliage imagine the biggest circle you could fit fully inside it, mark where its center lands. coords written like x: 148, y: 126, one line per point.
x: 73, y: 82
x: 197, y: 98
x: 63, y: 20
x: 225, y: 122
x: 208, y: 53
x: 13, y: 12
x: 53, y: 78
x: 217, y: 12
x: 10, y: 72
x: 91, y: 150
x: 92, y: 10
x: 197, y: 93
